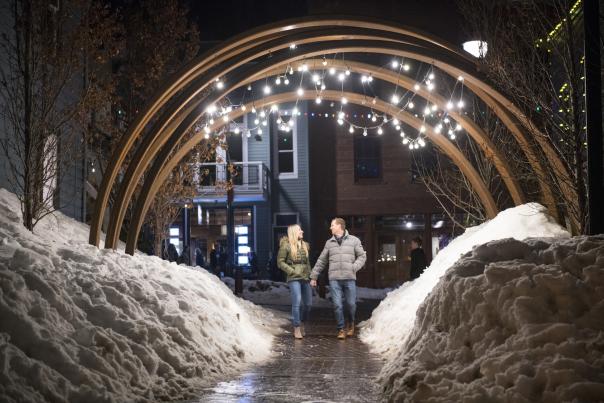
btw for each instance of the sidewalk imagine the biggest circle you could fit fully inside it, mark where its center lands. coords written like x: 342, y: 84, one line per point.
x: 319, y: 368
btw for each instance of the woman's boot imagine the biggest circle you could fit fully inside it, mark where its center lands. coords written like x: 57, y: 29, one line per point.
x: 297, y: 332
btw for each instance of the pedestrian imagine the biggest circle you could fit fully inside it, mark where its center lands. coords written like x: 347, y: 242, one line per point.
x: 214, y: 259
x: 172, y: 253
x: 418, y: 258
x: 293, y: 260
x: 345, y: 256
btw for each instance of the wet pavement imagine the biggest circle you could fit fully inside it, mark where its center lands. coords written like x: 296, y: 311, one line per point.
x: 319, y: 368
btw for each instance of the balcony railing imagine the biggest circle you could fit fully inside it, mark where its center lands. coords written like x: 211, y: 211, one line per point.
x: 249, y: 179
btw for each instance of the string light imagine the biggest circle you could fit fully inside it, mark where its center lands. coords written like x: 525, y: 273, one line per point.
x: 318, y: 100
x: 351, y: 129
x: 300, y: 91
x: 380, y: 131
x: 344, y: 101
x: 365, y: 132
x: 394, y: 64
x: 267, y: 89
x: 395, y: 99
x: 332, y: 71
x: 406, y: 67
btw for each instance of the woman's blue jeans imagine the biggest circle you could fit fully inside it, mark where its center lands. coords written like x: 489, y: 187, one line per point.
x: 301, y: 295
x: 344, y: 308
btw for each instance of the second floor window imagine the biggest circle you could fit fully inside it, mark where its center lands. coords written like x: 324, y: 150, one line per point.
x: 287, y: 152
x: 367, y: 158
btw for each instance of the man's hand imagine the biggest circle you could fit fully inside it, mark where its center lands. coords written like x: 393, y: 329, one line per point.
x: 313, y: 283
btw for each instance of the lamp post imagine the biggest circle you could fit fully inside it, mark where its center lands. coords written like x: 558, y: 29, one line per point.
x: 593, y: 118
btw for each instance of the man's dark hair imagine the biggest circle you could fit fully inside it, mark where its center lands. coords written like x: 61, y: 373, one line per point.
x: 418, y: 241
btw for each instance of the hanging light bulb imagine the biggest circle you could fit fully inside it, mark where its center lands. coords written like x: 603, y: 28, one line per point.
x: 411, y: 146
x: 323, y: 86
x: 243, y: 107
x: 460, y: 104
x: 265, y: 123
x: 421, y: 142
x: 318, y: 100
x: 405, y: 140
x: 380, y: 131
x: 449, y: 105
x: 279, y: 121
x: 253, y: 110
x: 220, y: 85
x: 324, y: 62
x: 446, y: 120
x: 431, y: 76
x: 300, y: 91
x: 286, y: 81
x: 460, y: 78
x: 315, y: 78
x: 332, y: 71
x: 394, y: 64
x: 262, y: 114
x: 305, y: 67
x: 427, y: 110
x: 206, y: 136
x: 351, y: 129
x: 395, y: 99
x: 363, y: 78
x: 438, y: 128
x: 340, y: 122
x: 259, y: 131
x: 422, y: 129
x: 430, y: 86
x: 249, y: 87
x: 237, y: 130
x: 458, y: 127
x: 248, y: 133
x: 291, y: 122
x: 344, y: 101
x: 416, y: 87
x: 395, y: 122
x: 211, y: 121
x: 207, y: 130
x: 411, y: 105
x: 278, y: 80
x: 295, y: 111
x: 402, y: 134
x: 267, y: 89
x: 292, y: 46
x: 225, y: 118
x: 373, y: 118
x: 347, y: 71
x: 341, y: 77
x: 370, y: 78
x: 365, y: 132
x: 406, y: 67
x: 274, y: 108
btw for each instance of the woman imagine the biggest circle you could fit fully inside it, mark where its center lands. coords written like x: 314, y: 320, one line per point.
x: 293, y: 260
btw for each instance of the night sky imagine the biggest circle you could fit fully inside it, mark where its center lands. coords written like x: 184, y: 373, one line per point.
x: 219, y: 20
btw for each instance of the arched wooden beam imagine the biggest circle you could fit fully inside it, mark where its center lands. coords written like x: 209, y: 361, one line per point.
x: 95, y: 230
x: 164, y: 164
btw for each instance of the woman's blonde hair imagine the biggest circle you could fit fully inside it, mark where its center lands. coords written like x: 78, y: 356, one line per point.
x: 294, y: 242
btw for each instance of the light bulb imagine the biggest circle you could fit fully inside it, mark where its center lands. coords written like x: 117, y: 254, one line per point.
x: 315, y: 78
x: 291, y: 122
x: 292, y: 46
x: 344, y: 100
x: 431, y: 76
x: 351, y: 129
x: 365, y: 132
x: 395, y: 122
x: 278, y: 80
x: 347, y: 72
x: 295, y: 111
x: 405, y: 140
x: 460, y: 78
x: 395, y: 99
x: 411, y: 105
x: 460, y: 104
x: 394, y: 64
x: 434, y: 108
x: 458, y: 127
x: 402, y: 134
x: 416, y: 87
x: 286, y: 81
x: 248, y: 133
x: 340, y: 122
x: 324, y: 62
x: 225, y: 118
x: 380, y: 131
x: 406, y: 67
x: 211, y: 121
x: 323, y: 86
x: 262, y: 113
x: 426, y: 110
x: 236, y: 131
x: 259, y: 130
x: 305, y: 67
x: 206, y: 136
x: 341, y: 77
x: 332, y: 71
x: 300, y: 92
x: 220, y: 85
x: 265, y: 123
x: 422, y: 129
x: 449, y: 105
x: 267, y: 89
x: 363, y: 79
x: 274, y: 108
x: 318, y: 100
x: 373, y: 118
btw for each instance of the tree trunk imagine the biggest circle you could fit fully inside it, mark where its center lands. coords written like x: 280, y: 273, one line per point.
x: 28, y: 176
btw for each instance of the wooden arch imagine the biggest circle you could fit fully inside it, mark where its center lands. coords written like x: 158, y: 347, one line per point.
x: 178, y: 98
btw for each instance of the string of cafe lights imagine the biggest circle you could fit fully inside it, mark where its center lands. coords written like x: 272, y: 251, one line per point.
x: 403, y: 100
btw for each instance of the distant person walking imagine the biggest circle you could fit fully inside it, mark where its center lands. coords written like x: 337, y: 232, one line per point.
x: 418, y: 258
x: 345, y: 256
x: 293, y: 260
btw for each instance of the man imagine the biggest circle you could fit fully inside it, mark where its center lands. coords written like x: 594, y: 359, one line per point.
x: 418, y: 258
x: 345, y: 256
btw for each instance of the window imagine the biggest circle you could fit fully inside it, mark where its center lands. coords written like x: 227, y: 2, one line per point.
x: 367, y: 158
x: 287, y: 148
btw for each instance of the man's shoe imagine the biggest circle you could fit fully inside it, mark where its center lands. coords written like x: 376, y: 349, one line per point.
x: 302, y: 329
x: 297, y: 333
x: 341, y: 334
x: 350, y: 330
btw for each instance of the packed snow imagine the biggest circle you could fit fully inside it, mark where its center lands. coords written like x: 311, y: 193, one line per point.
x: 82, y: 324
x: 510, y: 311
x: 392, y: 321
x: 512, y: 321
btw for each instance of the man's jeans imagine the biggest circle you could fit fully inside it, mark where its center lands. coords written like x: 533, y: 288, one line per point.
x: 301, y: 294
x: 347, y: 307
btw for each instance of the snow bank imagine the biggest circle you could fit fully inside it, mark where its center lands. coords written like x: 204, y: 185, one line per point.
x: 511, y: 321
x: 392, y: 321
x: 82, y: 324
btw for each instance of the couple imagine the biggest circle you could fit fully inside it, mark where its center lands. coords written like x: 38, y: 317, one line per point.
x: 345, y: 256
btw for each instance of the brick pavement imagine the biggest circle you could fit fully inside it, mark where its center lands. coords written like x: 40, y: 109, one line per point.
x: 319, y: 368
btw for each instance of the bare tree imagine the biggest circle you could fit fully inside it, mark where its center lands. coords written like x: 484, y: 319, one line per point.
x: 535, y: 56
x: 45, y: 49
